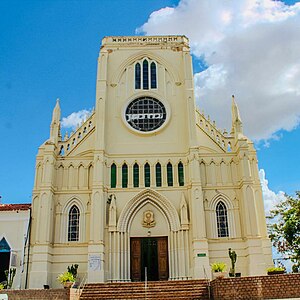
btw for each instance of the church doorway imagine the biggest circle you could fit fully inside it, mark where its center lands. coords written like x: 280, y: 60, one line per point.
x: 149, y: 254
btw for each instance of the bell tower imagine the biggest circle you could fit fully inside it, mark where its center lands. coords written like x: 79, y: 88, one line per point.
x: 145, y: 95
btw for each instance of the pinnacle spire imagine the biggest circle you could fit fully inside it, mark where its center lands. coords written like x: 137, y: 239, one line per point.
x: 237, y: 125
x: 56, y: 113
x: 55, y: 135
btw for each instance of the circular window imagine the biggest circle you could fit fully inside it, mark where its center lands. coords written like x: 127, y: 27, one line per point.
x: 145, y: 114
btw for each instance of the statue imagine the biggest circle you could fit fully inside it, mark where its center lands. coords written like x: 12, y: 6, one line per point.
x: 233, y: 257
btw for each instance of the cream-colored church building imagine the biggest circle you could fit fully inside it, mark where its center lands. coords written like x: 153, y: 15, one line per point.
x: 147, y: 183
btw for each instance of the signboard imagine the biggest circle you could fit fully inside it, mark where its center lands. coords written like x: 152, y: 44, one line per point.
x: 94, y: 262
x: 201, y: 254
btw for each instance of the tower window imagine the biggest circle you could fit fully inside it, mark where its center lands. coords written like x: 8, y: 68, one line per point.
x: 138, y: 76
x: 113, y: 176
x: 145, y: 75
x: 222, y: 220
x: 180, y: 174
x: 124, y: 176
x: 73, y: 228
x: 153, y: 75
x: 136, y: 174
x: 158, y: 174
x: 147, y: 175
x: 170, y: 174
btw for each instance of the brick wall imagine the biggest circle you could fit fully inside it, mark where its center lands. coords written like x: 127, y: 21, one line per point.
x: 52, y: 294
x: 256, y: 287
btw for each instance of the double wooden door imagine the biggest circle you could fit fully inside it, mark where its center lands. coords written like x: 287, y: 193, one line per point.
x: 149, y: 254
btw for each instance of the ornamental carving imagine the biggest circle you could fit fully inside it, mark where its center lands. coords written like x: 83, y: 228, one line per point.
x: 148, y: 219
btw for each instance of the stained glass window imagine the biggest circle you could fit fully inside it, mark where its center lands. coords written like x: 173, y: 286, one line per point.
x: 180, y: 174
x: 145, y: 75
x: 170, y: 174
x: 222, y: 221
x: 113, y: 176
x: 153, y: 75
x: 124, y: 176
x: 73, y: 228
x: 136, y: 175
x: 138, y: 76
x: 158, y: 174
x: 147, y: 175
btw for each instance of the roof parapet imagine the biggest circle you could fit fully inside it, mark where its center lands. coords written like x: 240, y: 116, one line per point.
x: 145, y: 40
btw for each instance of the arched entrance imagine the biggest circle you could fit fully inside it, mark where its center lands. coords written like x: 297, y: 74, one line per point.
x: 4, y: 258
x: 148, y: 234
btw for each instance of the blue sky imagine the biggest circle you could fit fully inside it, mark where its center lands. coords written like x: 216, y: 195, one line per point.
x: 49, y: 50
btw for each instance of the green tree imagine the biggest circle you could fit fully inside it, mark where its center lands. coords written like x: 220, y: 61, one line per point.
x: 284, y: 228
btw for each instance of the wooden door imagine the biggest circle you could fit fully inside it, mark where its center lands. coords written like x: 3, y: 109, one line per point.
x: 150, y: 252
x: 163, y: 266
x: 135, y: 259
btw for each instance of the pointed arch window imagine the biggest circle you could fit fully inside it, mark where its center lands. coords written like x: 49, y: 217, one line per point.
x: 137, y: 76
x: 158, y: 174
x: 73, y: 224
x: 113, y: 176
x: 145, y: 75
x: 222, y: 220
x: 153, y: 75
x: 170, y: 174
x: 124, y: 176
x: 180, y: 174
x: 147, y: 175
x: 136, y: 175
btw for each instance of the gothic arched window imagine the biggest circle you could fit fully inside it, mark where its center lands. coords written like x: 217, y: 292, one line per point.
x: 153, y: 75
x: 113, y: 176
x: 147, y: 175
x: 145, y: 75
x: 137, y: 76
x: 136, y: 175
x: 124, y: 176
x: 73, y: 224
x: 158, y: 174
x: 222, y: 220
x: 180, y: 174
x: 170, y: 174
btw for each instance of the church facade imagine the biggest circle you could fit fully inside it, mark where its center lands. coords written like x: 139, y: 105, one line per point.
x: 147, y: 185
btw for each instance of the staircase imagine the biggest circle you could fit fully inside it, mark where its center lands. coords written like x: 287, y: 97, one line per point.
x: 162, y: 290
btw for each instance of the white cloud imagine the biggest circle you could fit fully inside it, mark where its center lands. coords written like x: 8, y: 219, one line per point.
x: 75, y: 119
x: 270, y: 197
x: 252, y: 49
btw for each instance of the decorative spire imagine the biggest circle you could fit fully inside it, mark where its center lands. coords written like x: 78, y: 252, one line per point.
x: 56, y: 113
x: 55, y: 135
x: 237, y: 125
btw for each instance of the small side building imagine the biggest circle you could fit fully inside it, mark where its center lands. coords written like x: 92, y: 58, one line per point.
x: 14, y: 234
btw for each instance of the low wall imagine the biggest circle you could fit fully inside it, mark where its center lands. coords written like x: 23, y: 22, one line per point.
x: 51, y: 294
x: 256, y: 287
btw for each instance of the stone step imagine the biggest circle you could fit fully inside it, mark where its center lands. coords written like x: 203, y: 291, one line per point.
x: 163, y: 290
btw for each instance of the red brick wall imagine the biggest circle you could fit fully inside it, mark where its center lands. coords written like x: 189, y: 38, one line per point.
x: 256, y: 287
x: 52, y: 294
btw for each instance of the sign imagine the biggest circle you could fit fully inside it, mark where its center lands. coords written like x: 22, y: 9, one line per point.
x: 201, y: 254
x: 94, y: 262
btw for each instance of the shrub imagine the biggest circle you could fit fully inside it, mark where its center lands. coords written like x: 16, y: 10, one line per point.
x: 218, y: 266
x: 66, y: 277
x: 275, y: 269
